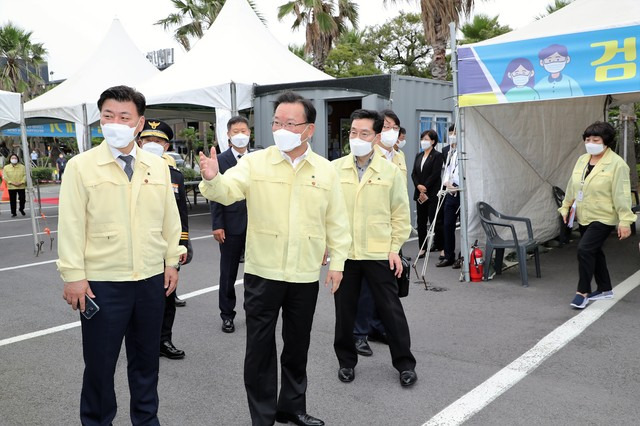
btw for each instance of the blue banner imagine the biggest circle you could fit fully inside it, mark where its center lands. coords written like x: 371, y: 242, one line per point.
x: 564, y: 66
x: 58, y: 130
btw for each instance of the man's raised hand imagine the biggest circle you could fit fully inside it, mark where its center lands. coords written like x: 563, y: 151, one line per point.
x: 209, y: 166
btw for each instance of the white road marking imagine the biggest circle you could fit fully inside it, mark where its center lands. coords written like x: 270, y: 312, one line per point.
x: 11, y: 268
x: 202, y: 238
x: 15, y: 219
x: 25, y: 235
x: 75, y: 324
x: 475, y: 400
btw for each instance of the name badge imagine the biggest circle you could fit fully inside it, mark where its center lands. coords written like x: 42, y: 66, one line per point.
x: 580, y: 195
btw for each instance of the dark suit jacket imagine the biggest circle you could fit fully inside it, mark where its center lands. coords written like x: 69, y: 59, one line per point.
x: 231, y: 218
x: 430, y: 175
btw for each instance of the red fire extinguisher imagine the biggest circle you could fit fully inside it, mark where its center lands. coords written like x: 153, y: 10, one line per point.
x: 476, y: 263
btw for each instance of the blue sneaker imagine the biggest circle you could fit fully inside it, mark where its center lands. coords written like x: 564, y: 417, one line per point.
x: 600, y: 295
x: 580, y: 302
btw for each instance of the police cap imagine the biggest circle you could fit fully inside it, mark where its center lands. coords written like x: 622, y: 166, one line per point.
x: 156, y: 128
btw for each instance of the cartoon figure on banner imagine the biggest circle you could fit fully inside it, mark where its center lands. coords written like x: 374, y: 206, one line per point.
x: 554, y: 59
x: 517, y: 81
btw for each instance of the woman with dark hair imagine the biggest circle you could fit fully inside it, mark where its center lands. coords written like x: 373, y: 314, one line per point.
x: 598, y: 195
x: 426, y: 176
x: 16, y: 176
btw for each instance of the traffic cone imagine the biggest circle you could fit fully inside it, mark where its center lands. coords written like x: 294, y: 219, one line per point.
x: 5, y: 189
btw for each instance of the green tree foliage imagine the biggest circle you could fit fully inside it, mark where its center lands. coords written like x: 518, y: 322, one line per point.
x: 194, y: 17
x: 23, y: 60
x: 351, y: 57
x: 482, y: 27
x: 554, y: 7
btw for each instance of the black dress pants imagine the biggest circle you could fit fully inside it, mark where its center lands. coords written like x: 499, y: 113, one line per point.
x: 13, y: 195
x: 168, y: 318
x: 263, y: 299
x: 591, y: 260
x: 230, y: 254
x: 451, y: 205
x: 384, y: 287
x: 131, y: 310
x: 426, y: 215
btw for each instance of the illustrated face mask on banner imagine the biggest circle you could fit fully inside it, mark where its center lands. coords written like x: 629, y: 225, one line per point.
x: 154, y: 148
x: 286, y: 141
x: 240, y: 140
x: 389, y: 138
x: 594, y: 148
x: 360, y: 148
x: 520, y: 80
x: 554, y: 67
x: 118, y: 135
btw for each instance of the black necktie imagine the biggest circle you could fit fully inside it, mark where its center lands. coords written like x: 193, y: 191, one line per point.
x: 239, y: 156
x: 127, y: 167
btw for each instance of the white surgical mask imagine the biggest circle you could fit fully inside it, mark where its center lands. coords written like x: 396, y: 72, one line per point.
x: 286, y: 141
x: 360, y: 148
x: 240, y: 140
x: 594, y: 148
x: 154, y: 148
x: 452, y: 140
x: 555, y: 67
x: 520, y: 80
x: 402, y: 143
x: 425, y: 145
x: 118, y: 135
x: 14, y: 161
x: 389, y: 138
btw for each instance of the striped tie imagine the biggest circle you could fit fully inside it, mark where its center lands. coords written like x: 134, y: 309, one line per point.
x: 127, y: 167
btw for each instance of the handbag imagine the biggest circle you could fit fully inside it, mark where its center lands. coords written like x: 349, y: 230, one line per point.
x: 404, y: 278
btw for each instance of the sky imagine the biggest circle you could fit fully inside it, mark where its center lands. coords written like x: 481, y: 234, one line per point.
x: 71, y: 29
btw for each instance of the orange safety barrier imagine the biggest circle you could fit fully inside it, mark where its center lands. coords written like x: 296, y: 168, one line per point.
x: 5, y: 189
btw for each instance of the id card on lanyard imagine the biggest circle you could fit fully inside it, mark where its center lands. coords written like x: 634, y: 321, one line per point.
x: 580, y: 195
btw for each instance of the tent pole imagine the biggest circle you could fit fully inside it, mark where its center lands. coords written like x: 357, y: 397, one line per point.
x: 27, y: 164
x: 234, y: 99
x: 462, y: 189
x: 87, y: 131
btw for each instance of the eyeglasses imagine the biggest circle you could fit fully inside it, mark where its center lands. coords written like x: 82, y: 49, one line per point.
x: 288, y: 126
x: 387, y: 127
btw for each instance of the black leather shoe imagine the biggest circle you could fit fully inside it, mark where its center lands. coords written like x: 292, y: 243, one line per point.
x: 362, y: 347
x: 376, y: 336
x: 346, y: 374
x: 227, y: 326
x: 298, y: 419
x: 179, y: 302
x: 23, y: 213
x: 168, y: 350
x: 408, y: 378
x: 13, y: 215
x: 444, y: 262
x: 421, y: 255
x: 457, y: 264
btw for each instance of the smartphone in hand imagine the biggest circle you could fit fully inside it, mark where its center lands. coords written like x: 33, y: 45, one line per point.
x: 90, y: 307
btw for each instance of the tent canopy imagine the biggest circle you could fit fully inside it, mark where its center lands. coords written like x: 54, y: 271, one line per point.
x: 115, y: 61
x: 519, y: 145
x: 9, y: 108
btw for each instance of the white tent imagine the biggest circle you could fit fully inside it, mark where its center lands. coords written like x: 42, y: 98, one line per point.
x: 516, y: 151
x: 9, y: 107
x: 235, y: 53
x: 115, y: 61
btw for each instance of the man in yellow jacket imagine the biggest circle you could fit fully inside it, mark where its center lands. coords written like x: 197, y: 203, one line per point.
x: 118, y: 233
x: 295, y: 209
x: 16, y: 176
x: 378, y: 209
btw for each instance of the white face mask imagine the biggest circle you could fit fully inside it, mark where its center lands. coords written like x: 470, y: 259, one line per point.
x: 452, y: 140
x: 402, y: 143
x: 360, y: 148
x: 14, y: 161
x: 389, y: 138
x: 594, y: 148
x: 555, y: 67
x: 426, y: 145
x: 154, y: 148
x: 118, y: 135
x: 240, y: 140
x: 520, y: 80
x: 286, y: 141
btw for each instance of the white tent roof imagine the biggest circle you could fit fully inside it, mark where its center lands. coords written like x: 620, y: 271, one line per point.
x: 115, y: 61
x: 236, y: 48
x: 9, y: 108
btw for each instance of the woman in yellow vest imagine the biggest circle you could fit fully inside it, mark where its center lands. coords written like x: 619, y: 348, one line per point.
x: 16, y: 176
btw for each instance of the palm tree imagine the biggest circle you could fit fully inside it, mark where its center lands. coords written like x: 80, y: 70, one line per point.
x: 194, y: 17
x: 436, y: 16
x: 482, y: 28
x: 323, y: 24
x: 554, y: 7
x: 21, y: 60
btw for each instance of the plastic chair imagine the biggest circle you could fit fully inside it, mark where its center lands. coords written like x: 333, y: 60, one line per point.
x: 497, y: 243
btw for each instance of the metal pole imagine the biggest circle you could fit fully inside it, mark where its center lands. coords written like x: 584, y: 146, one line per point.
x: 87, y: 132
x: 462, y: 189
x: 27, y: 164
x: 234, y: 99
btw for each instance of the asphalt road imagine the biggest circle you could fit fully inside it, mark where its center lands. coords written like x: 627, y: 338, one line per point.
x: 461, y: 336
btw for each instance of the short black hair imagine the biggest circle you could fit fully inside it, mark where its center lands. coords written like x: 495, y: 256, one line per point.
x: 124, y: 94
x: 452, y: 127
x: 235, y: 120
x: 369, y: 114
x: 602, y: 129
x: 392, y: 115
x: 433, y: 135
x: 290, y: 97
x: 402, y: 131
x: 13, y: 154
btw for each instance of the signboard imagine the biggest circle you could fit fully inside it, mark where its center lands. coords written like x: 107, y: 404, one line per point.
x: 58, y: 130
x: 564, y: 66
